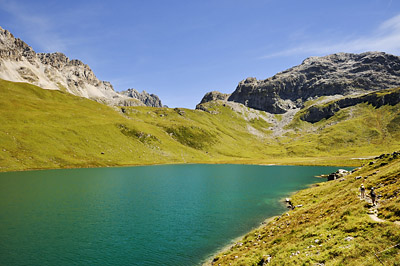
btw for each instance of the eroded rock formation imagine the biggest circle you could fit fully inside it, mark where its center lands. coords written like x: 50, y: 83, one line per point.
x: 55, y: 71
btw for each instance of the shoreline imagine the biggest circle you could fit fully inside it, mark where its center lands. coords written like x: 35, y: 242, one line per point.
x: 209, y: 259
x: 300, y: 161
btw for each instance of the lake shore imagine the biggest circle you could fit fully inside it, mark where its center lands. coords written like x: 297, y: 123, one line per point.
x: 193, y: 216
x: 298, y: 161
x: 333, y: 225
x: 209, y: 260
x: 266, y: 222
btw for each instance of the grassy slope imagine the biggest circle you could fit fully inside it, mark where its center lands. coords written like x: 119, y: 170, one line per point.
x: 53, y: 129
x: 319, y: 231
x: 360, y: 130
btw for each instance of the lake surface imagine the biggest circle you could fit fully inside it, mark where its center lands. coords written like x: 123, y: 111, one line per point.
x: 150, y: 215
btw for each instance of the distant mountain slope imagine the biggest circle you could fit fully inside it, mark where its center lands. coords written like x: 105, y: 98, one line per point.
x: 54, y: 129
x: 146, y: 98
x: 337, y: 74
x: 55, y: 71
x: 317, y: 112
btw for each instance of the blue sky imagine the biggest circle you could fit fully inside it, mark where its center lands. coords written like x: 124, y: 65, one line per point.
x: 181, y: 49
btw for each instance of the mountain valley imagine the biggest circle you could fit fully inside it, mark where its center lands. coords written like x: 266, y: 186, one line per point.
x: 341, y: 109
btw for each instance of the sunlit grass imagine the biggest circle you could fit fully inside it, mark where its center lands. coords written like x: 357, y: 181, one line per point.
x: 332, y: 227
x: 53, y: 129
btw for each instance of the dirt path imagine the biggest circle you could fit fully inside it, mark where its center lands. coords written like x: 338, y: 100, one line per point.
x: 373, y: 211
x: 376, y: 218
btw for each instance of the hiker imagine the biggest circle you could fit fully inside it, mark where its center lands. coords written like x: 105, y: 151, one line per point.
x: 373, y: 196
x: 290, y: 204
x: 362, y: 190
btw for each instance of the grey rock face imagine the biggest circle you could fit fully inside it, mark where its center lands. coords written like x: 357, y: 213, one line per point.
x: 27, y: 74
x: 213, y: 96
x: 14, y: 48
x: 146, y: 98
x: 317, y: 113
x: 342, y: 73
x: 20, y: 63
x: 78, y: 75
x: 50, y: 71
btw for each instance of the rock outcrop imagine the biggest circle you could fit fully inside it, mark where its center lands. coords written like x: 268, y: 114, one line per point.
x: 55, y: 71
x: 316, y: 113
x: 213, y: 96
x: 144, y: 97
x: 338, y: 174
x: 336, y: 74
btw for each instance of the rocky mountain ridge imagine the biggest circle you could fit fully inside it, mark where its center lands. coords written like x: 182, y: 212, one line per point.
x: 214, y: 96
x: 339, y: 74
x: 55, y: 71
x: 316, y: 113
x: 144, y: 97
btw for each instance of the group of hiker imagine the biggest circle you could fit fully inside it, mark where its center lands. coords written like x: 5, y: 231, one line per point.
x: 371, y: 194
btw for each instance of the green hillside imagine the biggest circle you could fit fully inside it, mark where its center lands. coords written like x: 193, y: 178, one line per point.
x: 333, y: 225
x: 53, y: 129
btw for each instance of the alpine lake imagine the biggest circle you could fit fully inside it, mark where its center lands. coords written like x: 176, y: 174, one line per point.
x: 145, y: 215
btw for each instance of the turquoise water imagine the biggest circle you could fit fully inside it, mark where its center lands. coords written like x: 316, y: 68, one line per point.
x: 150, y: 215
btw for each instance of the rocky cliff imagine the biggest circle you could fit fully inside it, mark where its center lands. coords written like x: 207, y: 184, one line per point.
x: 213, y: 96
x: 336, y: 74
x: 144, y: 97
x: 55, y: 71
x: 317, y: 112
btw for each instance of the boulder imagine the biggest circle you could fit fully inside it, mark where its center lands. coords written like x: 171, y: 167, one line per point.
x: 338, y: 174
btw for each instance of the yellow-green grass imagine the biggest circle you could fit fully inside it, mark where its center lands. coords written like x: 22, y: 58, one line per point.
x: 360, y: 130
x: 332, y: 227
x: 53, y: 129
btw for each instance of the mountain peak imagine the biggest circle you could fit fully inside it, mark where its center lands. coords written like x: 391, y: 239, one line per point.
x: 335, y: 74
x: 20, y: 63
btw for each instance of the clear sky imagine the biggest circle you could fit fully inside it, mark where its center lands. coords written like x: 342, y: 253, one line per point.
x: 181, y: 49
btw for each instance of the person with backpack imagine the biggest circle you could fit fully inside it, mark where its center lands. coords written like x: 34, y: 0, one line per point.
x: 362, y: 190
x: 373, y: 196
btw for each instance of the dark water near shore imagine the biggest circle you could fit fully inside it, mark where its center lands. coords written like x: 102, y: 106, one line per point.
x: 150, y: 215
